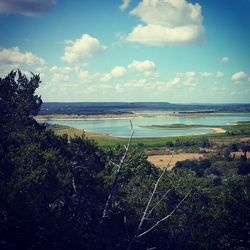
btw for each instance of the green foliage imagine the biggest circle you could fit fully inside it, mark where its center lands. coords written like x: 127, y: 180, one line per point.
x: 53, y: 189
x: 244, y: 166
x: 194, y: 165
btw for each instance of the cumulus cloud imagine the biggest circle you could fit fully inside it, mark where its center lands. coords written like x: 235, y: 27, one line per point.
x: 15, y: 56
x: 142, y: 65
x: 225, y: 59
x: 188, y: 78
x: 85, y: 47
x: 124, y: 5
x: 26, y: 7
x: 167, y: 22
x: 239, y: 76
x: 174, y: 81
x: 206, y: 74
x: 61, y: 74
x: 84, y: 75
x: 64, y: 74
x: 116, y: 72
x: 147, y: 67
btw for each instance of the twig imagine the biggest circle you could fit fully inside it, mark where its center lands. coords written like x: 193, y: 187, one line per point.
x: 166, y: 217
x: 158, y: 202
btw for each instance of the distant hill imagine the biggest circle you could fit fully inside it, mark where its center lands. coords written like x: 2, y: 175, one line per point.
x: 90, y: 108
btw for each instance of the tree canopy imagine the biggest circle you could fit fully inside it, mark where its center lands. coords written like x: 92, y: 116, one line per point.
x: 53, y: 190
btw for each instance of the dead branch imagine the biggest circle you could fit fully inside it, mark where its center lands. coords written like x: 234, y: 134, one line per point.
x: 158, y: 202
x: 114, y: 184
x: 166, y: 217
x: 145, y: 213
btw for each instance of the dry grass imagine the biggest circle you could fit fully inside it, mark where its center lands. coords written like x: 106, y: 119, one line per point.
x: 238, y: 154
x: 246, y: 139
x: 161, y: 161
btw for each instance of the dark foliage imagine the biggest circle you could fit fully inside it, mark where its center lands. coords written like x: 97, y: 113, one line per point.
x: 53, y: 190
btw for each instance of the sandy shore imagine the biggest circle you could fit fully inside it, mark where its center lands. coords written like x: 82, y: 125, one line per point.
x: 86, y: 117
x: 218, y: 130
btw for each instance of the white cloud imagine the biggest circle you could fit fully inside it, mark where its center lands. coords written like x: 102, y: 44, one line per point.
x: 63, y: 70
x: 41, y: 71
x: 116, y: 72
x: 239, y: 76
x: 85, y: 47
x: 211, y: 74
x: 219, y: 74
x: 15, y: 56
x: 206, y: 74
x: 188, y: 78
x: 138, y: 83
x: 174, y: 81
x: 86, y: 77
x: 189, y: 74
x: 74, y: 74
x: 26, y: 7
x: 62, y: 74
x: 142, y: 65
x: 119, y: 88
x: 151, y: 74
x: 167, y: 22
x: 124, y: 5
x: 225, y: 59
x: 190, y: 82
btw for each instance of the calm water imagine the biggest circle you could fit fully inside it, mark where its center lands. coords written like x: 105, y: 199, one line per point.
x: 121, y: 127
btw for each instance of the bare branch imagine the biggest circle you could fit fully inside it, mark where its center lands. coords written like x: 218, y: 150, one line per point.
x: 145, y: 213
x: 158, y: 202
x: 153, y: 193
x: 114, y: 184
x: 166, y: 217
x: 115, y: 164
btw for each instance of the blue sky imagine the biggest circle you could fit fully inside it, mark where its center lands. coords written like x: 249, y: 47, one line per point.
x: 176, y: 51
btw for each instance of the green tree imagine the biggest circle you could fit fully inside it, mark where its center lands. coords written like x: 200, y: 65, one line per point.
x: 50, y: 188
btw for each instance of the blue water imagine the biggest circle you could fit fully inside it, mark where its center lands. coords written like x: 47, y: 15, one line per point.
x: 121, y: 127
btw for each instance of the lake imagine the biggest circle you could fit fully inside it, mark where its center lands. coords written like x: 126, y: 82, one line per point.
x: 121, y: 127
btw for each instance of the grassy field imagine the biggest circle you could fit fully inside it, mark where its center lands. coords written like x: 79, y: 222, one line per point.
x: 233, y: 135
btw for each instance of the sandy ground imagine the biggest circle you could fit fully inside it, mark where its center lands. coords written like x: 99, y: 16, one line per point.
x: 161, y: 161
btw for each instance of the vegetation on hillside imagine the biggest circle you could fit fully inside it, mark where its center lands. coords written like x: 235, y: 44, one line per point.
x: 53, y: 189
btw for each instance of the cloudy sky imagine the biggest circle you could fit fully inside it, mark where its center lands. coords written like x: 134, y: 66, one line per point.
x: 177, y: 51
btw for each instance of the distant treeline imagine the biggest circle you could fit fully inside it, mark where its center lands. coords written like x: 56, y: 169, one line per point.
x: 90, y: 108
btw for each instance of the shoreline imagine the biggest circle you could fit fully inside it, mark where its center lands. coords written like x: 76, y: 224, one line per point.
x: 111, y: 136
x: 86, y: 117
x: 62, y: 117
